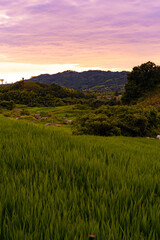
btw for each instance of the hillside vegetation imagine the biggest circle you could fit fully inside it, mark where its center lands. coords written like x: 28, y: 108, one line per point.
x: 136, y: 114
x: 55, y: 186
x: 100, y: 81
x: 40, y: 94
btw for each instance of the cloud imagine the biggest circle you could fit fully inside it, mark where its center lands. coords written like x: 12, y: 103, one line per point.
x: 51, y: 31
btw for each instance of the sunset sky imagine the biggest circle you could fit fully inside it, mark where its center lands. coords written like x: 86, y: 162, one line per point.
x: 49, y: 36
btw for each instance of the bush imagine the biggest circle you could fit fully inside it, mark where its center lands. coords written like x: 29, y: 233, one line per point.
x: 24, y: 112
x: 119, y: 120
x: 9, y: 105
x: 95, y: 125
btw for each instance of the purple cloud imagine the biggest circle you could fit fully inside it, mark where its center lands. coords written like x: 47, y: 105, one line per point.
x: 78, y: 31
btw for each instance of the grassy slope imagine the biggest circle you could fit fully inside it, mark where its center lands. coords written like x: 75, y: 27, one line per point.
x: 56, y: 186
x: 152, y: 98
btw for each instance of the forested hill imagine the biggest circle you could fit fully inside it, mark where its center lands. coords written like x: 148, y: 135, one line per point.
x: 89, y: 80
x: 40, y: 94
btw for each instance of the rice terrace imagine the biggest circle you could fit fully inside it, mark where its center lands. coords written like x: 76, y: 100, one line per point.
x: 58, y: 186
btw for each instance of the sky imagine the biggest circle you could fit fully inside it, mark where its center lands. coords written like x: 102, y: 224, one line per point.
x: 49, y: 36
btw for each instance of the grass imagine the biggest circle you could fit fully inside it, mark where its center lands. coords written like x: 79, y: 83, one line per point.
x: 57, y: 186
x: 152, y: 98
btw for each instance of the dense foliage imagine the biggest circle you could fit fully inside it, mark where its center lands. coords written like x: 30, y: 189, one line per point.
x: 7, y: 105
x: 100, y: 81
x: 141, y: 80
x: 119, y: 120
x: 38, y: 94
x: 55, y: 186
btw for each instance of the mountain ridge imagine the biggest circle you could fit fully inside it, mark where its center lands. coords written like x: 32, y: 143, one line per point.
x: 92, y: 80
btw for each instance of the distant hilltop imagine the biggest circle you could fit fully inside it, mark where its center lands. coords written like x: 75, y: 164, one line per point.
x: 92, y: 80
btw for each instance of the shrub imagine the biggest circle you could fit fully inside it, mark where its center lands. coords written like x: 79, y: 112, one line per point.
x: 24, y: 112
x: 7, y: 104
x: 119, y: 120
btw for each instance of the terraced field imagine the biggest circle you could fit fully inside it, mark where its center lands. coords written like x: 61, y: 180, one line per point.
x: 57, y: 186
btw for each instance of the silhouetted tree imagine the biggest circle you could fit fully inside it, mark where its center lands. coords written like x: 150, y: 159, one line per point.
x: 142, y: 79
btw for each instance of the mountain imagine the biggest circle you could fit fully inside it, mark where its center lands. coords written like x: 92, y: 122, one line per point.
x: 86, y: 81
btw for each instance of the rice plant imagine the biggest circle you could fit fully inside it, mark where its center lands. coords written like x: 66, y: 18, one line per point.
x: 62, y: 187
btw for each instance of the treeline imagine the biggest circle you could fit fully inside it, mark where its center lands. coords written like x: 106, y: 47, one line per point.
x: 40, y: 94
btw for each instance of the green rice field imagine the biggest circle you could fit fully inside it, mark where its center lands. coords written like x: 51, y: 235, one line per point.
x: 55, y: 186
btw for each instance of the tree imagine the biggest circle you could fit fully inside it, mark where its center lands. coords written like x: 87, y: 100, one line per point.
x: 142, y: 79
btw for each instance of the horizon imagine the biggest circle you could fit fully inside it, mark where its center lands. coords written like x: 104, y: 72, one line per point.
x: 46, y: 36
x: 47, y: 69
